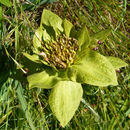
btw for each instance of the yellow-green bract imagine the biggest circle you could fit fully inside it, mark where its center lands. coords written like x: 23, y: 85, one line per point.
x: 89, y: 67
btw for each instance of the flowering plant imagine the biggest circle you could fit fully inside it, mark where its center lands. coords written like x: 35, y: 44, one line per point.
x: 69, y: 60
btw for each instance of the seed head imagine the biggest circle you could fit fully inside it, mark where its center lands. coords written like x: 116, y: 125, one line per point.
x: 60, y: 53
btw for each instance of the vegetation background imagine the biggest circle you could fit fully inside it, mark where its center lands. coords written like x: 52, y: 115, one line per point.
x: 21, y: 108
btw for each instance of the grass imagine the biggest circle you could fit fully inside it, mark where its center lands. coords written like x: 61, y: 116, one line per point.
x: 104, y: 108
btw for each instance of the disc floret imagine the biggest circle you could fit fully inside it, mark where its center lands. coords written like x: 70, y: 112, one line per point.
x: 60, y: 53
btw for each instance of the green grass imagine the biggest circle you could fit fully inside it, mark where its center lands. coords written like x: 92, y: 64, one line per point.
x: 104, y: 108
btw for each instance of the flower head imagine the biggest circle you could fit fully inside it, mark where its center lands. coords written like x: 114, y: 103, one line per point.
x: 60, y: 53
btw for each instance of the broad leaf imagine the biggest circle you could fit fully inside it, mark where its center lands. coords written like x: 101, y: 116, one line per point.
x: 83, y: 39
x: 65, y: 99
x: 51, y: 19
x: 94, y: 69
x: 67, y: 27
x: 42, y: 79
x: 37, y: 39
x: 49, y: 33
x: 34, y: 58
x: 81, y: 55
x: 102, y: 35
x: 116, y: 62
x: 40, y: 36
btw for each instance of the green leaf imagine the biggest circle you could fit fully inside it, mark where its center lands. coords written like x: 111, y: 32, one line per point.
x: 64, y: 100
x: 83, y: 39
x: 81, y: 55
x: 5, y: 116
x: 116, y: 62
x: 16, y: 38
x: 94, y: 69
x: 42, y: 79
x: 1, y: 15
x: 6, y: 3
x: 67, y: 27
x: 102, y: 35
x: 24, y: 105
x: 49, y: 33
x: 38, y: 38
x: 51, y: 19
x: 34, y: 58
